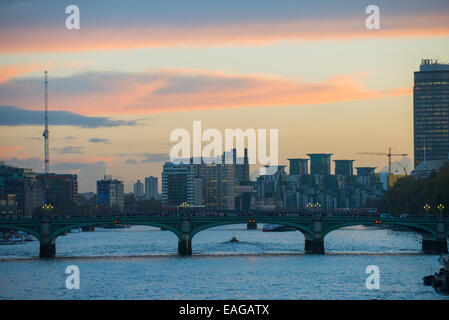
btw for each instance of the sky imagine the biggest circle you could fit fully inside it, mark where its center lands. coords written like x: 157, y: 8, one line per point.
x: 137, y: 70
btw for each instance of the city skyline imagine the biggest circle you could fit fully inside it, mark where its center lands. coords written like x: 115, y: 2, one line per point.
x: 113, y: 103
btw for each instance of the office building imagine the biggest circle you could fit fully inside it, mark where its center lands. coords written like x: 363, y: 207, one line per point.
x: 344, y: 167
x: 180, y: 185
x: 151, y: 188
x: 241, y: 169
x: 431, y: 112
x: 110, y: 194
x: 138, y: 190
x: 8, y: 205
x: 365, y: 171
x: 24, y: 185
x: 218, y: 183
x: 320, y: 163
x: 59, y: 189
x: 298, y: 166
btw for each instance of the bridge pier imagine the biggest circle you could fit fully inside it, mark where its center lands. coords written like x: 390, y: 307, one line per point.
x: 185, y: 242
x: 315, y: 244
x: 47, y: 251
x: 47, y: 248
x: 185, y: 247
x: 435, y: 245
x: 88, y: 228
x: 251, y: 225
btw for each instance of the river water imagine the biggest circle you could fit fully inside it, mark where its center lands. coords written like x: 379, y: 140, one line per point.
x: 142, y: 263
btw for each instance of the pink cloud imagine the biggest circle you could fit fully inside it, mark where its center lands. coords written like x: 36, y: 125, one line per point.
x: 256, y: 33
x: 9, y: 151
x: 8, y: 72
x: 182, y: 90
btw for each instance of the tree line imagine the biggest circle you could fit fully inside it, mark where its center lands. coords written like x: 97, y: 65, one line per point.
x: 417, y: 196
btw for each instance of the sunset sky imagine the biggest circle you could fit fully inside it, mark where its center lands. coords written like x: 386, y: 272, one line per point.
x: 136, y: 70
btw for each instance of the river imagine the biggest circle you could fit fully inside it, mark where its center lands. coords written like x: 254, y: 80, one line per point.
x: 142, y: 263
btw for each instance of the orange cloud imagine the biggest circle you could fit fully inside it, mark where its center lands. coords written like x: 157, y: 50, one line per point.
x: 8, y: 72
x: 182, y: 90
x: 9, y: 151
x: 257, y: 33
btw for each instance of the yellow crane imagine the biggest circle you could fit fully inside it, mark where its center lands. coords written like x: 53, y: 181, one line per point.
x: 389, y: 155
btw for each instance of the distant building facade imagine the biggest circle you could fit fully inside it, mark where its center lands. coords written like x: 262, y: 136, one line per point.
x: 425, y: 168
x: 110, y: 194
x: 298, y: 166
x: 344, y: 167
x: 431, y: 112
x: 24, y: 185
x: 138, y: 190
x: 8, y: 205
x: 320, y: 163
x: 218, y: 182
x: 180, y: 185
x: 151, y: 188
x: 59, y: 189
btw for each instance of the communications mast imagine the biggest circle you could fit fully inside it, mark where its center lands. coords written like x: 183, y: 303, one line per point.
x: 46, y: 135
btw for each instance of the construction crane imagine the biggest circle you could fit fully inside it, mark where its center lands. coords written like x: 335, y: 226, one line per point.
x: 389, y: 155
x: 46, y: 135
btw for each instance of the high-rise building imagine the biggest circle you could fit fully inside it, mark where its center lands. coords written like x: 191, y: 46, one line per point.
x: 344, y: 167
x: 62, y: 189
x: 180, y: 185
x: 298, y: 166
x: 110, y: 194
x: 431, y: 111
x: 138, y: 190
x: 151, y: 190
x: 320, y: 163
x: 218, y: 185
x: 241, y: 169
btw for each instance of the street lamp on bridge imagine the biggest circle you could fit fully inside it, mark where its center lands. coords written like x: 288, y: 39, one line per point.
x: 47, y: 209
x: 440, y: 208
x: 184, y: 205
x: 426, y: 208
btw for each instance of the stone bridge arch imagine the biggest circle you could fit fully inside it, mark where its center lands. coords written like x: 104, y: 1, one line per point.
x: 185, y: 247
x: 33, y: 231
x: 431, y: 238
x: 413, y: 226
x: 59, y: 230
x: 305, y: 230
x: 55, y: 229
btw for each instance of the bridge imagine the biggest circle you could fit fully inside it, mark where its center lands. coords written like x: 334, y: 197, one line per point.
x: 434, y: 231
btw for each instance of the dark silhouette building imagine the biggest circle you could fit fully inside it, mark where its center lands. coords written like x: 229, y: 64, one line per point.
x: 24, y: 185
x: 62, y: 189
